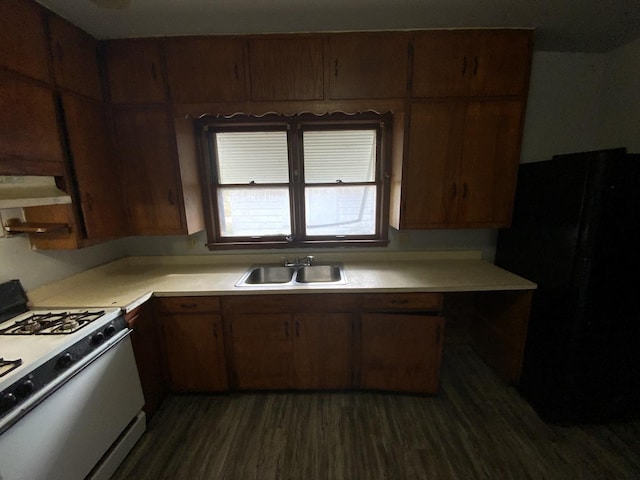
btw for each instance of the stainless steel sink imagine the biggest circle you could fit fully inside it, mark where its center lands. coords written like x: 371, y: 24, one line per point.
x: 303, y: 275
x: 269, y: 274
x: 319, y: 274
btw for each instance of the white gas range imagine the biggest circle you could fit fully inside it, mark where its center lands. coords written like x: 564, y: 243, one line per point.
x: 70, y: 395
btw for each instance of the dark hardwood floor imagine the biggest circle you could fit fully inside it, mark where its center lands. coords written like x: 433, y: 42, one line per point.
x: 476, y: 428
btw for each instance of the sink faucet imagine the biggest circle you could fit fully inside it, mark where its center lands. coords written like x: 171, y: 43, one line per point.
x: 299, y: 262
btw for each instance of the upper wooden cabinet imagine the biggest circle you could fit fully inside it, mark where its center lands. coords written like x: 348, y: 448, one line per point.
x: 161, y: 188
x: 471, y: 63
x: 29, y: 137
x: 134, y: 71
x: 96, y: 170
x: 288, y: 68
x: 461, y: 164
x: 205, y: 69
x: 23, y: 41
x: 75, y: 58
x: 368, y: 65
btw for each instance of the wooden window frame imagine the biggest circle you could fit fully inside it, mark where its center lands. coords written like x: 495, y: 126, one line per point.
x: 208, y: 125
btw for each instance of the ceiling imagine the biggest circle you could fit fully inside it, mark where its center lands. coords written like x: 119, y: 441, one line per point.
x: 561, y: 25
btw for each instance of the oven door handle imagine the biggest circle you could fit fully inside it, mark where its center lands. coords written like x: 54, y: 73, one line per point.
x: 60, y: 380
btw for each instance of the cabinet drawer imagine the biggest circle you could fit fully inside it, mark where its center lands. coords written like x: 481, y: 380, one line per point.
x: 168, y: 305
x: 424, y: 302
x: 325, y: 302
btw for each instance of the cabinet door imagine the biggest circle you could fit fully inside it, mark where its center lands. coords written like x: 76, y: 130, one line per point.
x: 75, y: 59
x: 149, y: 170
x: 205, y: 69
x: 262, y: 350
x: 401, y: 352
x: 23, y: 39
x: 432, y: 162
x: 195, y: 352
x: 322, y: 350
x: 491, y: 155
x: 29, y: 138
x: 501, y: 62
x: 97, y: 174
x: 286, y: 69
x: 471, y: 63
x: 368, y: 65
x: 134, y: 71
x: 147, y: 349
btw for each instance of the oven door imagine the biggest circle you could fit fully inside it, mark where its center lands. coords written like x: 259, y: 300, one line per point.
x: 67, y: 434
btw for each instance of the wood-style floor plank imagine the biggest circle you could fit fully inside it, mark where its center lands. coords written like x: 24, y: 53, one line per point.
x: 476, y: 428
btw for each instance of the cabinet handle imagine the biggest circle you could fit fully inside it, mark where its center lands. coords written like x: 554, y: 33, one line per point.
x: 188, y: 306
x: 335, y: 68
x: 297, y: 328
x: 59, y: 51
x: 475, y: 65
x: 170, y: 198
x: 286, y: 329
x: 235, y: 71
x: 464, y: 65
x: 215, y: 330
x: 399, y: 302
x: 465, y: 190
x: 154, y: 74
x: 89, y: 201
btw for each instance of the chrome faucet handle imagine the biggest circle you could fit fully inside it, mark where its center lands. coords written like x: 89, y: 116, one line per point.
x: 309, y: 260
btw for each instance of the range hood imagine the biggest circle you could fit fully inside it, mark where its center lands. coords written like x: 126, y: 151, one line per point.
x: 30, y: 191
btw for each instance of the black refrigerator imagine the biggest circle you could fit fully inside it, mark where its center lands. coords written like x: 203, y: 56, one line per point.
x: 576, y: 233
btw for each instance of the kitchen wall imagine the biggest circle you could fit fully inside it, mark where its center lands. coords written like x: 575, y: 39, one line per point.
x: 621, y: 104
x: 577, y: 101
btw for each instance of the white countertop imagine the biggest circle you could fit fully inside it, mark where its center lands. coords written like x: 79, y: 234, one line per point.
x: 130, y: 281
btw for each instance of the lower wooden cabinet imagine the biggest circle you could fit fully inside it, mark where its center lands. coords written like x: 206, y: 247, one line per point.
x: 147, y: 349
x: 194, y: 345
x: 285, y: 350
x: 401, y: 352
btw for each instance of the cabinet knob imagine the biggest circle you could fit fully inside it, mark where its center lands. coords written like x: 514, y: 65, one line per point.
x: 465, y: 190
x: 335, y: 68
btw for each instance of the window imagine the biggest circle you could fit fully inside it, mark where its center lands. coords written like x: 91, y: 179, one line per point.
x: 295, y: 180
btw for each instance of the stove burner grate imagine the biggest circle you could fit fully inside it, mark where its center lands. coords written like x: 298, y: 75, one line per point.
x: 51, y: 323
x: 7, y: 366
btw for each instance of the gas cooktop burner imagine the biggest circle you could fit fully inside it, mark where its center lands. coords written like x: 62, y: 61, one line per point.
x: 7, y: 366
x: 58, y: 323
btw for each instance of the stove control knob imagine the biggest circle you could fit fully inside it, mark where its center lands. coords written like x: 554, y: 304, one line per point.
x: 7, y: 401
x: 110, y: 330
x: 25, y: 389
x: 65, y: 360
x: 98, y: 338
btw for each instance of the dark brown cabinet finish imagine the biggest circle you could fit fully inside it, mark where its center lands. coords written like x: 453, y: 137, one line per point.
x: 205, y: 69
x: 277, y: 343
x: 148, y: 352
x: 368, y: 65
x: 75, y: 58
x: 96, y: 171
x: 286, y: 68
x: 322, y: 350
x: 150, y: 174
x: 29, y: 137
x: 134, y: 71
x: 194, y: 344
x: 471, y: 63
x: 461, y: 164
x: 499, y: 330
x: 401, y: 352
x: 262, y: 350
x: 24, y: 46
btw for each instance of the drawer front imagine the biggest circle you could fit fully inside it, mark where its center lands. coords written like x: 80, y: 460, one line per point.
x: 424, y: 302
x: 168, y: 305
x: 324, y: 302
